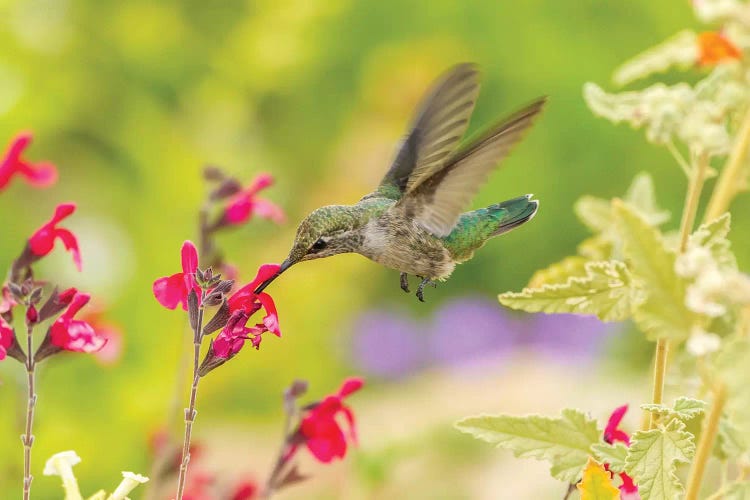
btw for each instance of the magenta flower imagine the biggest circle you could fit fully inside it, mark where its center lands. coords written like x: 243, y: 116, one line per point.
x: 247, y: 300
x: 41, y: 174
x: 73, y: 334
x: 7, y: 302
x: 42, y: 241
x: 613, y: 434
x: 172, y: 291
x: 112, y: 350
x: 320, y: 429
x: 243, y: 205
x: 6, y: 337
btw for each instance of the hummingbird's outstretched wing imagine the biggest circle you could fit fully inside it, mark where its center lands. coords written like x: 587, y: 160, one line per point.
x: 437, y: 129
x: 437, y: 200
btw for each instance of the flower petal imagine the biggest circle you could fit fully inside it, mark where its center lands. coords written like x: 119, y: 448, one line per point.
x: 268, y: 210
x: 71, y: 245
x: 271, y: 319
x: 41, y: 174
x: 170, y: 291
x: 189, y: 257
x: 351, y: 385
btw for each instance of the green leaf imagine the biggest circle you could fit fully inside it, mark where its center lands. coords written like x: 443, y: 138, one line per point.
x: 612, y: 454
x: 642, y: 197
x: 595, y: 213
x: 663, y: 314
x: 563, y: 441
x: 684, y: 408
x: 652, y: 459
x: 559, y: 272
x: 605, y: 291
x: 713, y: 237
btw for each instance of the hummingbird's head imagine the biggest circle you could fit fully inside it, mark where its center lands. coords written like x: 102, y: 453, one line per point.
x: 326, y: 231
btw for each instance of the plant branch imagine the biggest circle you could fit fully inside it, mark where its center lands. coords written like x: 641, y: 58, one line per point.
x: 730, y: 181
x: 706, y: 443
x: 281, y: 458
x: 28, y: 437
x: 190, y: 411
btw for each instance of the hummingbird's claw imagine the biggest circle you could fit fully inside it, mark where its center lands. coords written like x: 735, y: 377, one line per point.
x: 420, y: 288
x: 405, y: 282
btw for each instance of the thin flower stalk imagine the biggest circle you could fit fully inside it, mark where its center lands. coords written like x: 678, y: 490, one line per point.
x: 28, y: 437
x: 282, y: 458
x: 191, y: 412
x: 706, y: 443
x: 730, y: 181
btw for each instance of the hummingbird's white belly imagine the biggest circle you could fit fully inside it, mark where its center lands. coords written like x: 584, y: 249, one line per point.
x: 406, y: 248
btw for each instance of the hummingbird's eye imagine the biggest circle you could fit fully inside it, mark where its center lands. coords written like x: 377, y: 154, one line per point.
x: 318, y: 245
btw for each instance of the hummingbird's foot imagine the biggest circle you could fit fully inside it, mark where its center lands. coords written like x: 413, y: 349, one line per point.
x: 405, y: 282
x: 420, y: 288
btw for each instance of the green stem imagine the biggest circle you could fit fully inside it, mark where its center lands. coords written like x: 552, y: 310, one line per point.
x: 730, y: 181
x: 706, y: 443
x: 692, y: 198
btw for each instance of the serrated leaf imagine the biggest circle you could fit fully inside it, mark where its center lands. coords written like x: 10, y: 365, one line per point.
x: 596, y: 483
x: 663, y: 314
x: 559, y: 272
x: 713, y: 237
x: 563, y: 441
x: 595, y: 213
x: 652, y: 459
x: 612, y: 454
x: 605, y: 291
x: 684, y: 408
x: 641, y: 196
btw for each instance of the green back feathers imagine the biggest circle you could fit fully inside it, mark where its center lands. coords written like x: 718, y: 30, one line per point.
x: 475, y: 228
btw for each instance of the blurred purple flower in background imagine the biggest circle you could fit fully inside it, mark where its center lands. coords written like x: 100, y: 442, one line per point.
x: 390, y: 345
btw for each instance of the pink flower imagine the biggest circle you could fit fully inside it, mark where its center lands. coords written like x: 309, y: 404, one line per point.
x: 73, y: 334
x: 39, y: 175
x: 320, y: 430
x: 6, y: 337
x: 613, y: 434
x: 247, y: 300
x: 112, y: 350
x: 7, y: 302
x: 173, y: 290
x: 43, y: 240
x: 243, y: 205
x: 245, y: 490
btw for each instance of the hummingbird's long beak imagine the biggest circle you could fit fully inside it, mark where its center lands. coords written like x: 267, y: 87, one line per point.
x: 284, y: 266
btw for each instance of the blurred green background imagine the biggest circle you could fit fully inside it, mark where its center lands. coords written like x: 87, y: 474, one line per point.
x: 131, y: 99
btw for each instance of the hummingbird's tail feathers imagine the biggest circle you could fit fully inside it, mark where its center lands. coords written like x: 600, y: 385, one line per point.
x: 513, y: 213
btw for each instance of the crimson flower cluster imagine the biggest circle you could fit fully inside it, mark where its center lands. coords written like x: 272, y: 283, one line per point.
x: 613, y: 434
x: 234, y: 309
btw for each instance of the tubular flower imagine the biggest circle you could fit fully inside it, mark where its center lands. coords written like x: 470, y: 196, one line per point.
x: 6, y: 337
x: 245, y: 299
x: 40, y: 174
x: 42, y: 241
x: 320, y: 429
x: 715, y: 48
x: 243, y: 205
x: 73, y: 334
x: 172, y: 291
x: 613, y: 434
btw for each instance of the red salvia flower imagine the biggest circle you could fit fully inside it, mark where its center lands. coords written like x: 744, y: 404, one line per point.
x: 40, y: 174
x: 613, y: 434
x: 715, y: 48
x: 243, y: 205
x: 320, y: 429
x: 172, y: 291
x: 73, y: 334
x: 6, y: 337
x: 245, y: 299
x: 245, y: 490
x: 42, y: 241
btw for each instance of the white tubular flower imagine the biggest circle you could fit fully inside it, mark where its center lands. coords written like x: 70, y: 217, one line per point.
x: 130, y: 481
x: 680, y: 50
x: 718, y: 11
x: 693, y: 261
x: 61, y: 464
x: 701, y: 342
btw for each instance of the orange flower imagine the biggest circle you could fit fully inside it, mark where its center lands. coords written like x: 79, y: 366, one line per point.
x: 714, y: 48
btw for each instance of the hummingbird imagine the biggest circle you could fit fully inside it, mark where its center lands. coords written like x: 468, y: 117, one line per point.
x: 413, y: 221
